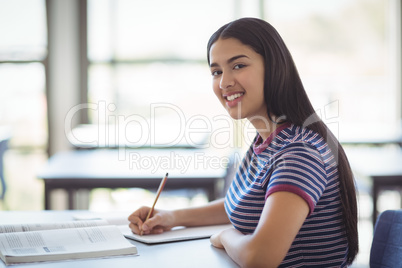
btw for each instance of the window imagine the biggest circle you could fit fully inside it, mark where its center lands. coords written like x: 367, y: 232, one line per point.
x: 148, y: 58
x: 23, y: 48
x: 153, y: 52
x: 347, y: 56
x: 23, y: 109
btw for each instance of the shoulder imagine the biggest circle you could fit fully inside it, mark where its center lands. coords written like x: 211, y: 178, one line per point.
x: 303, y: 142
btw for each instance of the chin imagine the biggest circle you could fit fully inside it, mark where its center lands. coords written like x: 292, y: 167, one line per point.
x: 235, y: 115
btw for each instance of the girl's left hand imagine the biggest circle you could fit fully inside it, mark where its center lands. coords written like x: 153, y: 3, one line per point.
x: 216, y: 240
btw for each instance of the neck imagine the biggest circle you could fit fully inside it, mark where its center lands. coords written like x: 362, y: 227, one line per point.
x: 264, y: 126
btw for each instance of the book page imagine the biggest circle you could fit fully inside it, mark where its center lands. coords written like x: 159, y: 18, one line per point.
x: 64, y: 244
x: 115, y: 218
x: 11, y: 228
x: 176, y: 234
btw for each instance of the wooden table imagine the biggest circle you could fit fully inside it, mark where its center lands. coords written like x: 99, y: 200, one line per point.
x: 128, y: 168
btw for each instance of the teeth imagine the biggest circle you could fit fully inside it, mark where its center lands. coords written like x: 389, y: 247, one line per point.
x: 234, y: 96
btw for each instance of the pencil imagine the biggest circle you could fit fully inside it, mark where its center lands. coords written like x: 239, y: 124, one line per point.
x: 158, y: 193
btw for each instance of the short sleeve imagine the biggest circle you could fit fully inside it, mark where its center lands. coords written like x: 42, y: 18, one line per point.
x: 300, y: 169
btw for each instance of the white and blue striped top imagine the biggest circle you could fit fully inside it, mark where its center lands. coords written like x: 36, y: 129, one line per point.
x: 296, y: 160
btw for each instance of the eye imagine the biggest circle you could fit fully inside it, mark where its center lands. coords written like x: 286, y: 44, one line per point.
x: 239, y: 66
x: 216, y: 72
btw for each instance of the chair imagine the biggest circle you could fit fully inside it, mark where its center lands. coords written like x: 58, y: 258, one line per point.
x: 386, y: 250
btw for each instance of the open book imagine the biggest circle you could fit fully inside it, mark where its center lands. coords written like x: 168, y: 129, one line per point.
x: 22, y: 243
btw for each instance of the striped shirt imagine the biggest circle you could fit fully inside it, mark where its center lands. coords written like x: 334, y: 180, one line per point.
x: 296, y: 160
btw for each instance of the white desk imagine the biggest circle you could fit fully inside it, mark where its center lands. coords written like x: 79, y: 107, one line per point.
x: 194, y: 254
x: 98, y: 136
x: 143, y: 168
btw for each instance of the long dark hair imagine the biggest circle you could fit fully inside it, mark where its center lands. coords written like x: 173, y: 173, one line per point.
x: 286, y: 98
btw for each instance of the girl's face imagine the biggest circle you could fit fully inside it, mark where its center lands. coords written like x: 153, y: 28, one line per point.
x: 238, y: 79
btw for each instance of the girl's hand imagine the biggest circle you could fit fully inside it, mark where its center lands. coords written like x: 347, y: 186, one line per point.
x: 159, y: 221
x: 216, y: 240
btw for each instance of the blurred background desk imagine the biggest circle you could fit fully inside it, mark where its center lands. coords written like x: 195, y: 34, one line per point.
x: 380, y: 167
x: 128, y: 168
x: 196, y: 253
x: 98, y: 136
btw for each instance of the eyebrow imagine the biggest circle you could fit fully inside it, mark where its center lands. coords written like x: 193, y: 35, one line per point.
x: 232, y: 59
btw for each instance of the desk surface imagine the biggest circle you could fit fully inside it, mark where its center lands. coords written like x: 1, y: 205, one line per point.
x: 196, y: 253
x: 87, y: 136
x: 136, y: 163
x: 143, y: 168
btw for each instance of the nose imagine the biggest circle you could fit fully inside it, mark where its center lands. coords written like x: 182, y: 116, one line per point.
x: 227, y: 80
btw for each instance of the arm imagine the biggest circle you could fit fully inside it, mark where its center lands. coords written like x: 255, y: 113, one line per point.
x: 281, y: 219
x: 210, y: 214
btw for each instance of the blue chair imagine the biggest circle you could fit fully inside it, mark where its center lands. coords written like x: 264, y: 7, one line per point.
x: 386, y: 250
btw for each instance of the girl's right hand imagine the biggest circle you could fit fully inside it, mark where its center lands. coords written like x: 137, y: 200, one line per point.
x: 157, y: 223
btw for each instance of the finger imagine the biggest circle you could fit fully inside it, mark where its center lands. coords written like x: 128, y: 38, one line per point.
x: 135, y: 220
x: 216, y: 241
x: 139, y: 215
x: 157, y: 230
x: 136, y: 229
x: 152, y: 222
x: 135, y: 224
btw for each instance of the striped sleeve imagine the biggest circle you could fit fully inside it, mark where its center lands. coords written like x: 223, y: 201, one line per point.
x: 300, y: 169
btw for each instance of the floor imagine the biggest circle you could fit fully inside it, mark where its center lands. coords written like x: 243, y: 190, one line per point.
x: 25, y: 192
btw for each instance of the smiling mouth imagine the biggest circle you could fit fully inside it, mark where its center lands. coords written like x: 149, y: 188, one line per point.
x: 234, y: 96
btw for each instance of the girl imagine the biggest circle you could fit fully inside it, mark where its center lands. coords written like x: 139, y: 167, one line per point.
x: 292, y: 201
